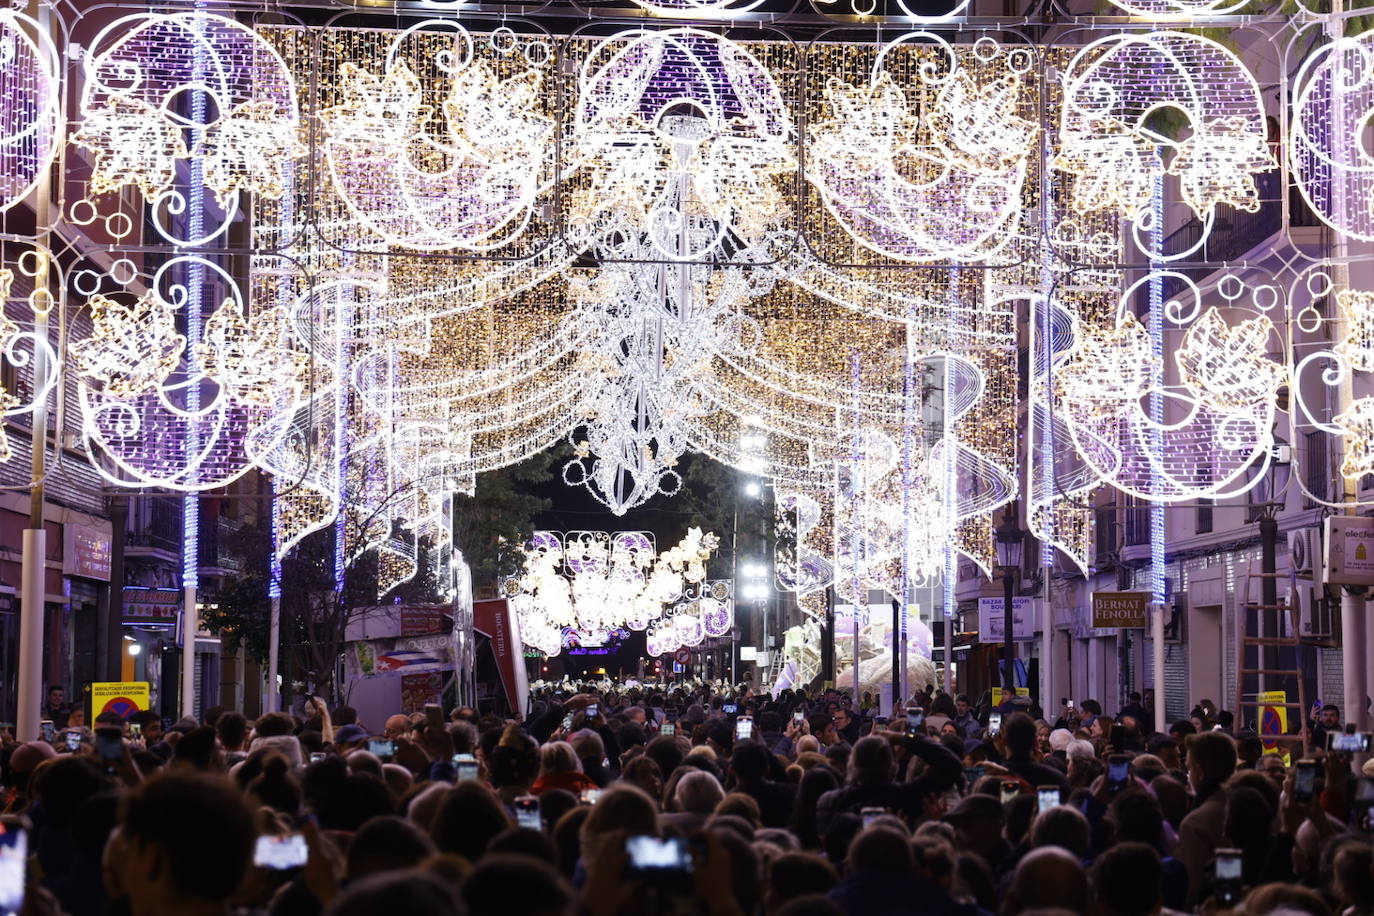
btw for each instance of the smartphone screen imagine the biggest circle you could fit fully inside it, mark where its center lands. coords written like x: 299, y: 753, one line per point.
x: 316, y: 757
x: 1357, y: 743
x: 567, y: 723
x: 730, y: 709
x: 527, y: 812
x: 651, y: 854
x: 14, y: 854
x: 1305, y: 780
x: 593, y: 710
x: 1228, y: 876
x: 1118, y: 771
x: 871, y: 814
x: 1047, y: 797
x: 915, y: 720
x: 281, y: 852
x: 73, y: 741
x: 467, y: 766
x: 589, y: 796
x: 1010, y: 789
x: 798, y: 717
x: 994, y: 724
x: 381, y: 747
x: 667, y: 728
x: 973, y: 774
x: 48, y: 732
x: 744, y: 728
x: 135, y: 730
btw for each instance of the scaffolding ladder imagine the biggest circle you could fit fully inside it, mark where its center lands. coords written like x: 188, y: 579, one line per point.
x: 1250, y: 618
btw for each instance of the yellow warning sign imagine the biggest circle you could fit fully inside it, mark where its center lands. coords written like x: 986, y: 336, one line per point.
x: 123, y: 698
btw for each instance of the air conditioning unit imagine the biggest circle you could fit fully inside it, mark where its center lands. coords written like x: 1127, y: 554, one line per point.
x: 1316, y: 614
x: 1305, y: 554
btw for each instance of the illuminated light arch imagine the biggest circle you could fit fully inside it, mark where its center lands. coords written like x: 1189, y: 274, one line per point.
x: 30, y: 105
x: 1113, y: 85
x: 1220, y: 416
x: 944, y: 187
x: 137, y: 68
x: 473, y: 189
x: 142, y: 424
x: 1330, y: 162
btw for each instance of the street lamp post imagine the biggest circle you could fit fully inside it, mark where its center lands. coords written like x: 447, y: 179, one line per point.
x: 1009, y: 546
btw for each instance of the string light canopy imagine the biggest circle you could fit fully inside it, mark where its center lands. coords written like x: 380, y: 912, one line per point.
x: 376, y: 261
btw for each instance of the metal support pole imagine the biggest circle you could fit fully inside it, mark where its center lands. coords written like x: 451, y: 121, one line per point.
x: 189, y: 624
x: 31, y: 632
x: 113, y: 655
x: 1354, y: 644
x: 1157, y: 647
x: 949, y: 654
x: 273, y: 698
x: 1268, y: 621
x: 1009, y: 648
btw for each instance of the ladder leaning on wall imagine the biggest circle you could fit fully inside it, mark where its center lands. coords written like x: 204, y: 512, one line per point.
x: 1250, y: 632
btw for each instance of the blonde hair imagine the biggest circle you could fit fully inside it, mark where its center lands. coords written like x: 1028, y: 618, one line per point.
x: 559, y: 757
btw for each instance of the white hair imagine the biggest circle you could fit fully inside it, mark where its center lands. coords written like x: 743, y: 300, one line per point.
x: 698, y: 791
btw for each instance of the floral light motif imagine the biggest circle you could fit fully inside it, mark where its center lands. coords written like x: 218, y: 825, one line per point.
x: 1111, y: 368
x: 247, y: 358
x: 1357, y: 312
x: 132, y: 348
x: 1227, y: 365
x: 30, y: 105
x: 1356, y: 422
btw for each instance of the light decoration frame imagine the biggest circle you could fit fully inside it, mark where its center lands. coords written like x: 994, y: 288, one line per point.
x: 584, y: 584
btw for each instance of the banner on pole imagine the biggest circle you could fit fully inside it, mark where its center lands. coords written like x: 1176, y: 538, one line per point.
x: 1273, y: 720
x: 123, y: 698
x: 992, y: 619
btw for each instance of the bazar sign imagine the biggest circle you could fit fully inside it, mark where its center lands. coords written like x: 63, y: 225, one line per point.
x: 992, y: 615
x: 1120, y: 610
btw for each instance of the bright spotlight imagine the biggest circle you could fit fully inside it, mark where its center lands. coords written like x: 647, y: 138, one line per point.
x: 752, y: 488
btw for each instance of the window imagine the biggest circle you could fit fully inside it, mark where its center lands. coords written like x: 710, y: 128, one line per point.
x: 1316, y: 475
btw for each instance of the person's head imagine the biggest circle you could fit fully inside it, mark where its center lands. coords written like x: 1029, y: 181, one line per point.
x: 198, y: 749
x: 515, y: 759
x: 1330, y: 716
x: 1137, y: 818
x: 232, y: 729
x: 843, y: 718
x: 1288, y: 899
x: 353, y: 801
x: 978, y: 820
x: 272, y: 725
x: 398, y: 893
x: 1353, y: 874
x: 880, y: 849
x: 1165, y: 747
x: 737, y: 804
x: 698, y: 792
x: 506, y: 883
x: 1272, y: 766
x: 620, y: 808
x: 397, y: 726
x: 750, y: 762
x: 1248, y: 816
x: 797, y: 874
x: 149, y: 724
x: 1127, y: 878
x: 871, y: 763
x: 386, y: 843
x: 1211, y: 758
x: 467, y: 819
x: 1049, y: 878
x: 275, y: 786
x: 644, y: 773
x: 1018, y: 731
x: 187, y: 839
x: 1062, y: 826
x: 558, y: 757
x: 57, y: 695
x: 961, y: 705
x: 1173, y: 799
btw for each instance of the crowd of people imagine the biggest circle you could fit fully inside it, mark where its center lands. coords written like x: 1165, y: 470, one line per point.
x: 686, y: 800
